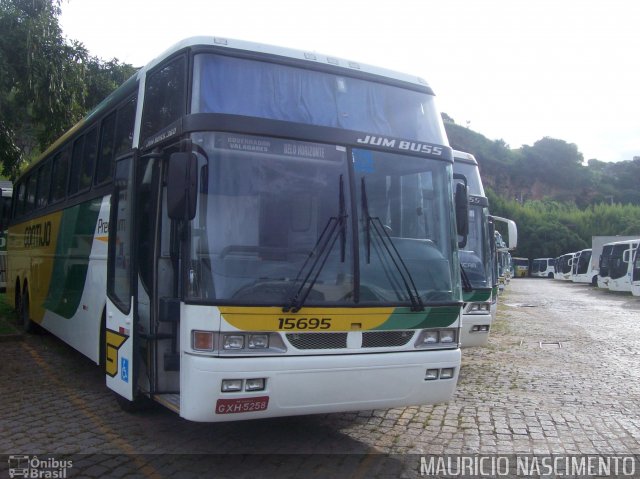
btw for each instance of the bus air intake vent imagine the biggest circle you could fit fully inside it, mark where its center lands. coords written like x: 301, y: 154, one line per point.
x: 386, y: 339
x: 318, y: 340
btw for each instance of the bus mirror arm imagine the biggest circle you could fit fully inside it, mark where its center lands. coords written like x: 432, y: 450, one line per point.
x: 462, y: 209
x: 182, y: 186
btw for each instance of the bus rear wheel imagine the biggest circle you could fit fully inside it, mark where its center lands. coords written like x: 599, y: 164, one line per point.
x: 28, y: 326
x: 17, y: 302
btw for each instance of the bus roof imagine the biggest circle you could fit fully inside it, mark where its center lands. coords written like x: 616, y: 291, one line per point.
x: 232, y: 45
x: 312, y: 57
x: 629, y: 241
x: 464, y: 157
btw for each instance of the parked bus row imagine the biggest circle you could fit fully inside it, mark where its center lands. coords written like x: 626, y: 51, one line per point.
x: 244, y: 231
x: 611, y: 263
x: 483, y: 258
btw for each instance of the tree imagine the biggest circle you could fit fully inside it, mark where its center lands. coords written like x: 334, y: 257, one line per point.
x: 46, y: 82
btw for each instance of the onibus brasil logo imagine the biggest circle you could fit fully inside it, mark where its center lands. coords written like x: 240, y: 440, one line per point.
x: 33, y: 467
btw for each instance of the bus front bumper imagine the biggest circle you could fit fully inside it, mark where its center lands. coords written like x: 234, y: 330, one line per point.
x: 298, y: 385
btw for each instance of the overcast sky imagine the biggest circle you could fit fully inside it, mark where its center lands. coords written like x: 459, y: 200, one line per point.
x: 511, y: 70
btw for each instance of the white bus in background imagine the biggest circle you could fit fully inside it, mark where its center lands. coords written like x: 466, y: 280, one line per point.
x: 620, y: 264
x: 520, y: 267
x: 582, y: 270
x: 597, y: 246
x: 635, y: 278
x: 543, y: 267
x: 564, y: 264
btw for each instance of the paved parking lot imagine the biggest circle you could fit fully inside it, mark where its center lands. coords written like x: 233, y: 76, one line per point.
x: 561, y: 375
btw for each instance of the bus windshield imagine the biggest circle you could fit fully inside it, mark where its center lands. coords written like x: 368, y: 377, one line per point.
x: 472, y: 173
x: 277, y: 216
x: 475, y: 258
x: 254, y: 88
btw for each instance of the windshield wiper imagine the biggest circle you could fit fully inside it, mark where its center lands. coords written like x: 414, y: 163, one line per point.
x: 466, y: 284
x: 390, y: 248
x: 320, y: 253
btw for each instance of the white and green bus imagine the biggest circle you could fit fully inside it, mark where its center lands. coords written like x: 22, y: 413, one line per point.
x: 475, y: 257
x: 503, y: 257
x: 243, y: 231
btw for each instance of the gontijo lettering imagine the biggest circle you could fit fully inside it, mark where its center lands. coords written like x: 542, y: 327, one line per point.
x: 38, y: 235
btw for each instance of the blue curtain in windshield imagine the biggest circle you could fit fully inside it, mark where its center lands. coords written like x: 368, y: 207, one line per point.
x: 267, y: 90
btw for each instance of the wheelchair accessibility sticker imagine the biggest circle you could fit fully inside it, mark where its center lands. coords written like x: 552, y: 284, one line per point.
x: 124, y: 369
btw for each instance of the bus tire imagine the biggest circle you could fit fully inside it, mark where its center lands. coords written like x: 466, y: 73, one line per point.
x: 17, y: 305
x: 28, y: 326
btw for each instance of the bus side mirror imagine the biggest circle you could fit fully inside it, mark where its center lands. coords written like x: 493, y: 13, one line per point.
x: 462, y: 214
x: 513, y: 234
x: 182, y: 186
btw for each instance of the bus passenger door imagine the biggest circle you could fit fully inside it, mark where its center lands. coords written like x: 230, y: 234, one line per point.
x: 121, y: 317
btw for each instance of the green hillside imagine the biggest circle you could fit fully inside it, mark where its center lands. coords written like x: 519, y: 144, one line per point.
x: 557, y: 201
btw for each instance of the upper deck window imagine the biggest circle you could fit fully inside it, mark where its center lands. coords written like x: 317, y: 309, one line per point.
x: 269, y: 90
x: 164, y: 98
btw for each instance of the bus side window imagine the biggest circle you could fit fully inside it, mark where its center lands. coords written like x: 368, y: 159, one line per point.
x: 89, y: 159
x: 164, y: 98
x: 31, y: 193
x: 44, y: 174
x: 59, y: 175
x: 124, y: 127
x: 19, y: 206
x: 76, y: 161
x: 105, y: 156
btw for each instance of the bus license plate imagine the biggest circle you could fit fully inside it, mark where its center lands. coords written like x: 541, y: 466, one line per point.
x: 234, y: 406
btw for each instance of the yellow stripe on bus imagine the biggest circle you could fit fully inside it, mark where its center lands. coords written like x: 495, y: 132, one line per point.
x: 271, y: 318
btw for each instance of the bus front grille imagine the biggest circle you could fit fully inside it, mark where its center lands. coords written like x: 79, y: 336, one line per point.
x: 366, y: 339
x: 318, y: 340
x: 386, y: 339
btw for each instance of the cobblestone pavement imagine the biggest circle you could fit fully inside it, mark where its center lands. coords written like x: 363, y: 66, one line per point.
x: 561, y: 375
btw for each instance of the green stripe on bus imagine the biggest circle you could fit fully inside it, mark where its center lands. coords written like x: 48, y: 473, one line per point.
x: 435, y: 317
x: 71, y: 261
x: 476, y: 295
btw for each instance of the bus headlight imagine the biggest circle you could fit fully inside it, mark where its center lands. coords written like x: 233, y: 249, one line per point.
x: 433, y: 338
x: 258, y: 341
x: 233, y: 342
x: 477, y: 308
x: 430, y: 337
x: 448, y: 336
x: 237, y: 343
